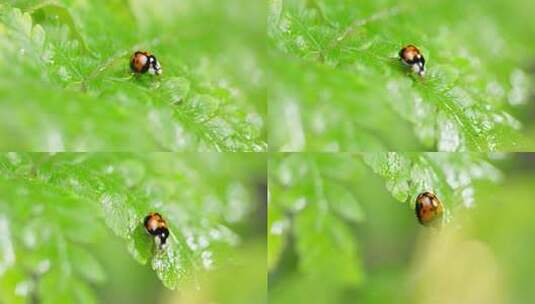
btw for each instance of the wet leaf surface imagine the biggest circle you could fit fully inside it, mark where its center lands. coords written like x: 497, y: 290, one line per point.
x: 69, y: 204
x: 339, y: 86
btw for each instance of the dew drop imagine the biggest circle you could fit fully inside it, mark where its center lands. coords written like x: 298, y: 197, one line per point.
x: 284, y: 25
x: 399, y: 189
x: 495, y: 89
x: 278, y: 227
x: 300, y: 203
x: 275, y: 10
x: 64, y: 74
x: 190, y: 241
x: 23, y: 288
x: 421, y: 178
x: 109, y: 169
x: 176, y: 89
x: 207, y: 261
x: 449, y: 137
x: 54, y: 140
x: 237, y: 202
x: 520, y: 88
x: 14, y: 158
x: 7, y: 254
x: 292, y: 119
x: 43, y: 266
x: 468, y: 197
x: 300, y: 42
x: 132, y: 172
x: 215, y: 234
x: 285, y: 174
x: 318, y: 122
x: 182, y: 138
x: 167, y: 266
x: 28, y: 237
x: 119, y: 216
x: 203, y: 242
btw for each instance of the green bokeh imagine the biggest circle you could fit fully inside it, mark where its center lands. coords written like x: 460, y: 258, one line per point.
x: 338, y: 84
x: 66, y: 83
x: 481, y: 254
x: 72, y: 227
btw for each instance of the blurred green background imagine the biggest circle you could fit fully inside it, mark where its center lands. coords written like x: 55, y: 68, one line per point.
x: 66, y: 85
x: 358, y: 244
x: 71, y: 228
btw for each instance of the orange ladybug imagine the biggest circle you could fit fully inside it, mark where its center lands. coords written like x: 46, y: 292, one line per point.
x: 143, y: 62
x: 157, y: 227
x: 429, y: 209
x: 412, y: 57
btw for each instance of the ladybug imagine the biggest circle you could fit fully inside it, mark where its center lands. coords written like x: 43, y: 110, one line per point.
x: 429, y: 209
x: 143, y: 62
x: 412, y: 57
x: 157, y: 227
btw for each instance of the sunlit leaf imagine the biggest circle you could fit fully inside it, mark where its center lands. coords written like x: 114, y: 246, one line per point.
x: 66, y: 204
x: 66, y: 83
x: 338, y: 85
